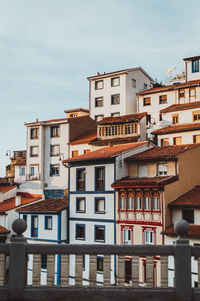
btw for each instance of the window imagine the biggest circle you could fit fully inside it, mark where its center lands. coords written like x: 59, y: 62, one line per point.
x: 139, y: 201
x: 34, y: 226
x: 99, y: 205
x: 148, y: 237
x: 142, y: 171
x: 175, y: 118
x: 156, y: 201
x: 115, y: 114
x: 25, y: 217
x: 161, y: 169
x: 115, y: 81
x: 80, y: 232
x: 162, y: 99
x: 80, y: 179
x: 195, y: 66
x: 74, y: 153
x: 196, y: 116
x: 55, y: 131
x: 133, y: 83
x: 54, y: 170
x: 130, y: 201
x: 34, y: 133
x: 86, y: 151
x: 148, y: 120
x: 98, y: 117
x: 54, y: 150
x: 100, y: 233
x: 98, y: 84
x: 147, y: 101
x: 99, y: 264
x: 177, y: 140
x: 72, y: 115
x: 181, y: 93
x: 99, y: 102
x: 34, y: 150
x: 32, y: 171
x: 192, y: 92
x: 188, y: 215
x: 48, y: 222
x: 115, y: 99
x: 43, y: 261
x: 147, y: 201
x: 145, y: 86
x: 80, y: 205
x: 127, y: 236
x: 22, y: 171
x: 164, y: 142
x: 196, y: 139
x: 122, y: 201
x: 99, y: 178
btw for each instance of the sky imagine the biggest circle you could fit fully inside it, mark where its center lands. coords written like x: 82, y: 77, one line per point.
x: 48, y: 49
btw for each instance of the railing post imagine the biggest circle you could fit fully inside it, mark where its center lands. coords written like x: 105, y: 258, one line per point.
x: 182, y: 263
x: 18, y: 261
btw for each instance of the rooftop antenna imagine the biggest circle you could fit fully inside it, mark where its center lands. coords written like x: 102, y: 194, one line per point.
x: 168, y: 74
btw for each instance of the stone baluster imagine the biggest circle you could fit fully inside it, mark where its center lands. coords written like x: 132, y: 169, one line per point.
x: 135, y: 271
x: 50, y: 269
x: 36, y: 269
x: 64, y: 270
x: 106, y: 270
x: 121, y: 270
x: 78, y: 269
x: 2, y: 269
x: 93, y: 269
x: 164, y: 271
x: 149, y: 271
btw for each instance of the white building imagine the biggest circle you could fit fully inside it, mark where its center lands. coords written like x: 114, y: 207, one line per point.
x: 183, y: 125
x: 92, y: 212
x: 46, y: 223
x: 114, y: 93
x: 192, y: 70
x: 47, y: 145
x: 187, y: 207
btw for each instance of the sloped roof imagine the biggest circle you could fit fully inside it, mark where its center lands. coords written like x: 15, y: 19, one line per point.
x: 122, y: 119
x: 3, y: 230
x: 113, y: 141
x: 190, y: 198
x: 181, y: 107
x: 194, y: 231
x: 48, y: 205
x: 106, y: 152
x: 9, y: 204
x: 162, y: 153
x: 186, y: 127
x: 5, y: 188
x: 144, y: 182
x: 187, y: 84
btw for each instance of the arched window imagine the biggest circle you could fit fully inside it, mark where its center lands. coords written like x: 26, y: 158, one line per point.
x: 156, y: 201
x: 147, y: 201
x: 130, y: 201
x: 122, y: 201
x: 138, y: 201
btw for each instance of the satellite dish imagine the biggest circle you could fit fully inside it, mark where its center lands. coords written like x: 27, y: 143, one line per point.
x: 170, y: 70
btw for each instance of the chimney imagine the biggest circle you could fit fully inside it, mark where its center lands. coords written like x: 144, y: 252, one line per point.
x: 17, y: 200
x: 98, y: 73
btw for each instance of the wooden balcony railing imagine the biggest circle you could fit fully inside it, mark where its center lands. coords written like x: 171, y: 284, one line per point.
x: 14, y: 285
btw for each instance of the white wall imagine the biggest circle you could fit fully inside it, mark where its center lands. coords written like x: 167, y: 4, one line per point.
x: 187, y: 137
x: 191, y: 75
x: 8, y: 195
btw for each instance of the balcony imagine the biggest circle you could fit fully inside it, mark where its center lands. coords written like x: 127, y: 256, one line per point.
x: 34, y: 177
x: 15, y: 287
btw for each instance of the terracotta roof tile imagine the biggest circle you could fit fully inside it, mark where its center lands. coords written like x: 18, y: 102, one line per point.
x: 122, y: 119
x: 162, y: 153
x: 85, y: 138
x: 106, y: 152
x: 5, y: 188
x: 3, y: 230
x: 144, y: 182
x: 190, y: 198
x: 9, y: 204
x: 103, y: 142
x: 194, y: 231
x: 181, y: 107
x: 170, y: 88
x: 187, y: 127
x: 48, y: 205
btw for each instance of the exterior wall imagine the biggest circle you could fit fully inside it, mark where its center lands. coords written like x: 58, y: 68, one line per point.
x: 185, y: 116
x: 8, y: 195
x: 189, y: 74
x: 151, y: 169
x: 189, y: 175
x: 187, y: 137
x: 81, y: 147
x: 125, y: 89
x: 18, y: 178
